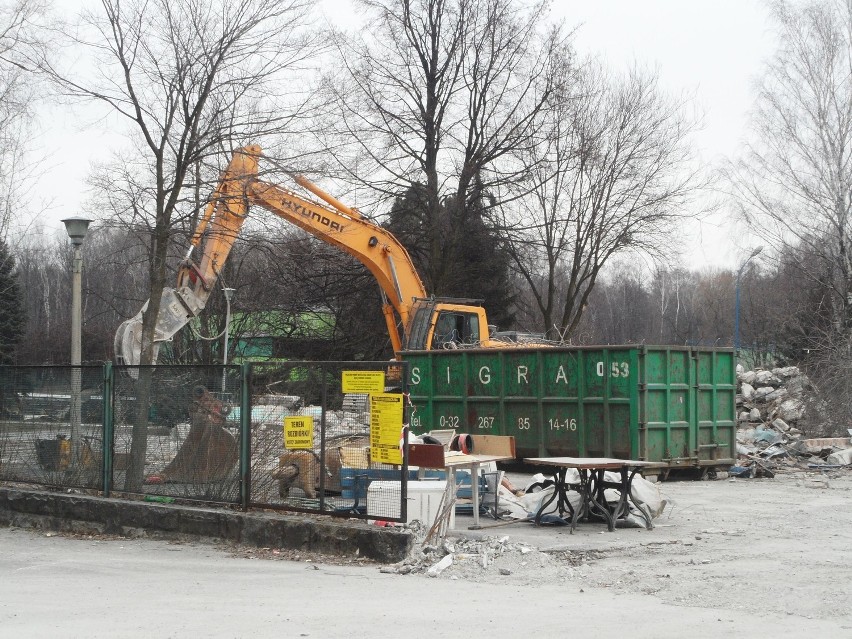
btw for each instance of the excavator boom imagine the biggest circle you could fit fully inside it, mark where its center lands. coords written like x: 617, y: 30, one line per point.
x: 334, y: 222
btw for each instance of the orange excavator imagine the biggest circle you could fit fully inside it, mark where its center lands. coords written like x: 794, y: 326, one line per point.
x: 414, y: 321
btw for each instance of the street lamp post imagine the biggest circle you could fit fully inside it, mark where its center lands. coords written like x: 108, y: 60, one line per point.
x: 753, y: 254
x: 229, y: 293
x: 76, y: 227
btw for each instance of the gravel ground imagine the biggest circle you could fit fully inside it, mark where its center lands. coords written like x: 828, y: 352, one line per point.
x: 777, y: 546
x: 757, y: 557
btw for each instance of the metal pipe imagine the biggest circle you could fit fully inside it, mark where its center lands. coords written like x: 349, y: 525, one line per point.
x: 228, y: 294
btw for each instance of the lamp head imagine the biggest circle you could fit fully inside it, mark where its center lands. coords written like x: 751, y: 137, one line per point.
x: 76, y: 227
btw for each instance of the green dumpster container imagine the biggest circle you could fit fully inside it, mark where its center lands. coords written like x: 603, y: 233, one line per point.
x: 665, y: 404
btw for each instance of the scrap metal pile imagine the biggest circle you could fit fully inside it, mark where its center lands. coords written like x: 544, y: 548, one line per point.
x: 775, y: 409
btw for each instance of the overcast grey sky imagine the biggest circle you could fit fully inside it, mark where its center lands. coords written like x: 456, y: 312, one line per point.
x: 710, y: 48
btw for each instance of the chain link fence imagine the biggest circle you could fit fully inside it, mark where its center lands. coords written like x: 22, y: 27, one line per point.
x: 297, y: 436
x: 51, y: 425
x: 330, y: 468
x: 171, y: 433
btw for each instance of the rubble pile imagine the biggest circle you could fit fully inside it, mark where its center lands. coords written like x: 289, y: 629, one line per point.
x: 772, y: 408
x: 466, y: 558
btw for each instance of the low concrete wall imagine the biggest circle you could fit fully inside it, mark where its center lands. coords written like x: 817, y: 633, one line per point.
x: 88, y: 514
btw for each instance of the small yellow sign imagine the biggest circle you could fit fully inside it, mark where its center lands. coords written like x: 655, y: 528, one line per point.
x: 386, y: 411
x: 299, y: 432
x: 363, y: 381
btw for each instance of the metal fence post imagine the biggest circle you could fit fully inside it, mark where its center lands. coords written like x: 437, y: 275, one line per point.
x: 245, y: 435
x: 108, y: 428
x: 406, y: 419
x: 322, y: 468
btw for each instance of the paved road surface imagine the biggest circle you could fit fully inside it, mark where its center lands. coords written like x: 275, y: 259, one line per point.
x: 54, y: 586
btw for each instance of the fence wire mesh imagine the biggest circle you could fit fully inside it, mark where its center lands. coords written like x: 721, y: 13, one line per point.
x: 325, y: 465
x: 51, y: 425
x: 172, y: 434
x: 310, y: 442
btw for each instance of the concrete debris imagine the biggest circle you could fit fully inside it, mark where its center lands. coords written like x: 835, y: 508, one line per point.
x: 777, y: 394
x: 466, y: 558
x: 766, y: 378
x: 841, y: 457
x: 747, y: 377
x: 761, y: 393
x: 772, y: 411
x: 436, y: 569
x: 470, y: 558
x: 791, y: 410
x: 787, y: 372
x: 780, y: 425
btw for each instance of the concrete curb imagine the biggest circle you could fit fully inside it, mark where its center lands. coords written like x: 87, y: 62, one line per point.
x: 89, y: 514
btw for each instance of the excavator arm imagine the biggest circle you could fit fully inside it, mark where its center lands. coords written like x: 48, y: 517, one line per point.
x: 334, y: 222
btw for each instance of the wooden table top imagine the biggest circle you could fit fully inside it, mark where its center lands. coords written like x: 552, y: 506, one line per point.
x: 461, y: 460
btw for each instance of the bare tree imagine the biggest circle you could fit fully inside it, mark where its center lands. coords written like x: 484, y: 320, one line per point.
x: 192, y: 80
x: 619, y: 310
x: 20, y: 40
x: 612, y: 174
x: 794, y: 183
x: 435, y: 98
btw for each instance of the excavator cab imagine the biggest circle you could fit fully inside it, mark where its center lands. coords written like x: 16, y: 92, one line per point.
x: 446, y: 324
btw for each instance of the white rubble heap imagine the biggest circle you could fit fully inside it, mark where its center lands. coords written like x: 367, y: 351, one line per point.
x: 471, y: 559
x: 465, y: 558
x: 773, y: 409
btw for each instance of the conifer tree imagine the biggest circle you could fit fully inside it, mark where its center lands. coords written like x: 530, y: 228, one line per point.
x: 11, y: 307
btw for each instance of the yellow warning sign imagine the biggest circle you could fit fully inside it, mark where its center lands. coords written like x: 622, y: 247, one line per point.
x: 299, y: 432
x: 363, y: 381
x: 386, y: 410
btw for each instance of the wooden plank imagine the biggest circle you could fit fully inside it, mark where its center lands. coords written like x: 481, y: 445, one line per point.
x: 426, y: 455
x: 503, y: 445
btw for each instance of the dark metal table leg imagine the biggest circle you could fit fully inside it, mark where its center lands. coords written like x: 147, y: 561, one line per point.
x: 598, y: 502
x: 562, y: 488
x: 622, y: 509
x: 550, y: 500
x: 585, y: 498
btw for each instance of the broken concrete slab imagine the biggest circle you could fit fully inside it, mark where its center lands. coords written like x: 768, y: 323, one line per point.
x: 761, y: 392
x: 748, y: 377
x: 766, y: 378
x: 791, y: 410
x: 777, y: 394
x: 815, y: 446
x: 841, y: 457
x: 780, y: 424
